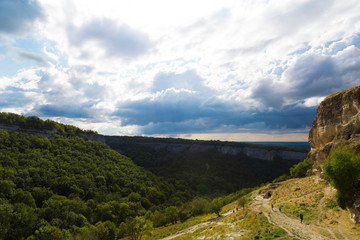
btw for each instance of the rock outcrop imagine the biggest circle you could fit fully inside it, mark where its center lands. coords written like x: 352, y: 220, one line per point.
x: 252, y: 151
x: 337, y: 123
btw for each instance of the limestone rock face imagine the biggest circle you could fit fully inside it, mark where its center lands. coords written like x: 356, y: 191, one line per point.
x: 250, y: 151
x: 337, y: 123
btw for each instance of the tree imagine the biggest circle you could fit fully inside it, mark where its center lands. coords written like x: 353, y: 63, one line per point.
x: 216, y: 206
x: 242, y: 202
x: 138, y: 227
x: 106, y: 230
x: 23, y: 197
x: 112, y: 211
x: 6, y: 188
x: 299, y: 170
x: 171, y: 214
x: 343, y: 169
x: 159, y: 219
x: 199, y: 206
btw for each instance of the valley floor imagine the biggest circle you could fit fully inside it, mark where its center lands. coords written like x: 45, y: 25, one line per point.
x: 310, y: 196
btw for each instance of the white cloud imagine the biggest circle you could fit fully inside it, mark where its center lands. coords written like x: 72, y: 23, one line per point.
x: 252, y: 61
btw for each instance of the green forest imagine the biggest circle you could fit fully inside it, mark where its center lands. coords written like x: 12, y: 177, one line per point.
x: 66, y: 187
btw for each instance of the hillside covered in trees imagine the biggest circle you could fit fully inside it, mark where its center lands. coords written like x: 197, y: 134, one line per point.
x: 65, y: 187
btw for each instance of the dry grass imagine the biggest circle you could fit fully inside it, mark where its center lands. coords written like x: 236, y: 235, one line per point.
x: 310, y: 196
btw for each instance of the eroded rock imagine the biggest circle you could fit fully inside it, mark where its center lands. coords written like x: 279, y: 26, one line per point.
x: 337, y: 123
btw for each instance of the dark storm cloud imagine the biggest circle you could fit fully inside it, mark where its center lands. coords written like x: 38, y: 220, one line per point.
x: 227, y: 119
x: 116, y: 40
x: 171, y: 106
x: 183, y: 104
x: 65, y: 110
x: 18, y: 16
x: 289, y: 117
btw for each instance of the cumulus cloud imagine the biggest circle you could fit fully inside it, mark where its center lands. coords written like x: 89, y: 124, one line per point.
x: 13, y: 98
x: 18, y: 16
x: 312, y: 74
x: 188, y: 80
x: 173, y: 98
x: 117, y: 40
x: 227, y: 120
x: 224, y: 67
x: 182, y: 103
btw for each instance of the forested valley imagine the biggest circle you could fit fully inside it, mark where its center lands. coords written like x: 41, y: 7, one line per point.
x: 66, y: 187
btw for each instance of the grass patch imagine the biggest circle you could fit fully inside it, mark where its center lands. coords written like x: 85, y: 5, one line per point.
x: 258, y: 227
x: 331, y: 204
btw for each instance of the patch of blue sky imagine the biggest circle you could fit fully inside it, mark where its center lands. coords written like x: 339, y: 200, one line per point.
x: 301, y: 50
x: 3, y: 50
x: 61, y: 61
x: 336, y: 46
x: 61, y: 58
x: 9, y: 68
x: 30, y: 44
x: 279, y: 67
x: 37, y: 46
x: 356, y: 40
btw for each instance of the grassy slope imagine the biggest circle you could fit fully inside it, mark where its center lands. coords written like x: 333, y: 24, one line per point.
x: 310, y: 196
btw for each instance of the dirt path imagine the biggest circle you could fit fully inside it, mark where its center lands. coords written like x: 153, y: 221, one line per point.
x: 197, y: 226
x: 341, y: 231
x: 293, y: 227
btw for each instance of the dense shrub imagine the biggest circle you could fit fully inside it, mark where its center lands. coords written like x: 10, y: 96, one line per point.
x: 343, y: 169
x: 299, y: 170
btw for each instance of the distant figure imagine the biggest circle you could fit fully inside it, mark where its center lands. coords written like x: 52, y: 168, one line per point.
x: 272, y: 207
x: 301, y: 218
x: 280, y: 209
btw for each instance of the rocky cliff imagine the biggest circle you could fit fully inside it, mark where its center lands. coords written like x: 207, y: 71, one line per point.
x: 118, y: 141
x: 337, y: 123
x: 250, y: 150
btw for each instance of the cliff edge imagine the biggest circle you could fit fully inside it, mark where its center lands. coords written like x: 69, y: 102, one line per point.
x: 337, y: 123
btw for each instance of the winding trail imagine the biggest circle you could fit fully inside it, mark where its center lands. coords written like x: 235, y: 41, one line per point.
x: 327, y: 190
x: 293, y: 227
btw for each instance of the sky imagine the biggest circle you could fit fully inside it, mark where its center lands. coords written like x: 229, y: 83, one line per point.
x: 239, y: 70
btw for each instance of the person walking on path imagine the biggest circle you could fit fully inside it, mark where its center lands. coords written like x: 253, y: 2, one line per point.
x: 272, y: 207
x: 301, y: 218
x: 280, y: 209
